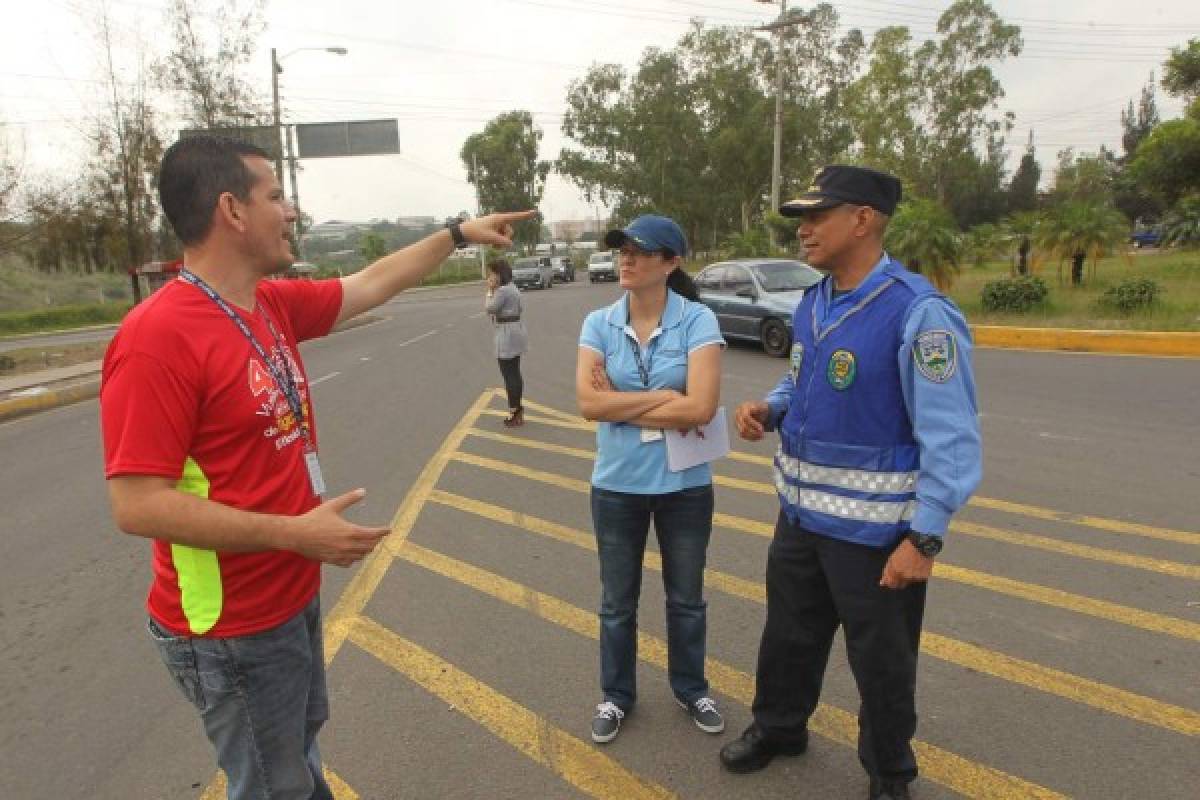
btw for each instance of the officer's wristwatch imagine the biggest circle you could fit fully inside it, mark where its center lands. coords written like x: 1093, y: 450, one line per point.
x: 456, y: 234
x: 927, y: 544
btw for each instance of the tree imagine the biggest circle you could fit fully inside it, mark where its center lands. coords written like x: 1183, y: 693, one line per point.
x: 927, y: 111
x: 373, y: 247
x: 1181, y: 73
x: 924, y: 236
x: 1084, y: 178
x: 502, y: 163
x: 1167, y: 163
x: 1023, y: 189
x: 127, y: 152
x: 1082, y: 229
x: 1021, y: 228
x: 1181, y: 225
x: 207, y: 59
x: 1137, y: 124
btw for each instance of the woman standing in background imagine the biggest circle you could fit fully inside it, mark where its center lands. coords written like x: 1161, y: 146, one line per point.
x: 503, y: 302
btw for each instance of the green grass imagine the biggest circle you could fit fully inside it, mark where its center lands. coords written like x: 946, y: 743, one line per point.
x: 53, y: 319
x: 1176, y: 272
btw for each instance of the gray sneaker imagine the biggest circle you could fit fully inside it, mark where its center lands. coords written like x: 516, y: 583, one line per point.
x: 607, y: 722
x: 704, y: 714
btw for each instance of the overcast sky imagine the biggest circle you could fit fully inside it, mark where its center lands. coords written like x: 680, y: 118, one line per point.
x: 444, y: 69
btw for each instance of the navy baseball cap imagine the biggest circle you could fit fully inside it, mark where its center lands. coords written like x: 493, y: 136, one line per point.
x: 651, y: 233
x: 838, y: 183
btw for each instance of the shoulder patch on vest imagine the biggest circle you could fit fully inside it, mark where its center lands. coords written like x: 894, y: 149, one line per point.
x: 936, y: 355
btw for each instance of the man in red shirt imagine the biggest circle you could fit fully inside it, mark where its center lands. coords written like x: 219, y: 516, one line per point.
x: 211, y: 451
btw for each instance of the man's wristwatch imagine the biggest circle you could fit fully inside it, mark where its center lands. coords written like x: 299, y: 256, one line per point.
x: 456, y: 234
x: 927, y: 544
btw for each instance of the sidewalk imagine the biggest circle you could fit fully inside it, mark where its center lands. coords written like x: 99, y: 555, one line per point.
x: 50, y: 388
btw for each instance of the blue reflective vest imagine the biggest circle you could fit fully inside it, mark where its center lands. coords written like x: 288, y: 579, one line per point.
x: 848, y: 461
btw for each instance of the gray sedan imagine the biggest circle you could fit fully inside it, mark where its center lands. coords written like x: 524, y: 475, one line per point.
x: 754, y: 298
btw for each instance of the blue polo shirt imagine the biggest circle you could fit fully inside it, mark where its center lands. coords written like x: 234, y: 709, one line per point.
x: 624, y: 463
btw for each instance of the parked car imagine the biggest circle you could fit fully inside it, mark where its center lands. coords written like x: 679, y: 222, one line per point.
x: 1146, y: 238
x: 533, y: 271
x: 564, y: 270
x: 754, y: 298
x: 602, y: 266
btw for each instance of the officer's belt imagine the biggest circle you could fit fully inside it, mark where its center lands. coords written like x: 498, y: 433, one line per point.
x: 508, y: 319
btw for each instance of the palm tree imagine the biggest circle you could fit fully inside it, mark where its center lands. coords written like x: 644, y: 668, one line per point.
x: 924, y: 236
x: 1081, y: 230
x: 1021, y: 228
x: 1181, y: 225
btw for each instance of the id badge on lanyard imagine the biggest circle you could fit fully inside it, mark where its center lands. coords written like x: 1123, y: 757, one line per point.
x: 313, y: 465
x: 647, y: 434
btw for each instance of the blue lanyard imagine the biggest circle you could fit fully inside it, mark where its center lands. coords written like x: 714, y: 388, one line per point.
x: 637, y: 357
x: 284, y: 380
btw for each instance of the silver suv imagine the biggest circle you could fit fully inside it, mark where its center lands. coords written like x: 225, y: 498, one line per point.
x: 533, y: 271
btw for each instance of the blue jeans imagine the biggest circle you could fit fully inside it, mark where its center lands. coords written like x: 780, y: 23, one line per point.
x: 683, y: 524
x: 262, y: 699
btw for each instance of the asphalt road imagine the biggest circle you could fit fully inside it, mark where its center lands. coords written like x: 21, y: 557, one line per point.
x: 1062, y: 635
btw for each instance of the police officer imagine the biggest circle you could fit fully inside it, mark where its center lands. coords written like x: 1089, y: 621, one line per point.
x: 880, y: 445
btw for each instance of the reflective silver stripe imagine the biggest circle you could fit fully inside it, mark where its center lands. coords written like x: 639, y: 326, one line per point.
x: 860, y: 480
x: 844, y: 507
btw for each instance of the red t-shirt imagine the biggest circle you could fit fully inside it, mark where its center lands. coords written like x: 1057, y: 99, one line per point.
x: 185, y: 396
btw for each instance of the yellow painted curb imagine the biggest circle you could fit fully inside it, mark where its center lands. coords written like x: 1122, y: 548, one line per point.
x: 20, y: 406
x: 1182, y: 344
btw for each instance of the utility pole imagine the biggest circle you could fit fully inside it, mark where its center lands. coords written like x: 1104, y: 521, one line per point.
x: 281, y: 143
x: 479, y: 213
x: 778, y: 27
x: 275, y: 70
x: 291, y: 159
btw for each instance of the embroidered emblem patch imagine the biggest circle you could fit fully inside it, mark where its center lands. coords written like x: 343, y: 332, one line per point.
x: 936, y: 355
x: 797, y: 359
x: 841, y: 370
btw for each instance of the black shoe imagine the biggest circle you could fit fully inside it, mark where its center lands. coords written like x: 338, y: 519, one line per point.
x: 888, y: 790
x: 753, y: 751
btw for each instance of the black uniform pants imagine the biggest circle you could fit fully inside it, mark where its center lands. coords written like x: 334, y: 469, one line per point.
x: 814, y: 584
x: 514, y: 386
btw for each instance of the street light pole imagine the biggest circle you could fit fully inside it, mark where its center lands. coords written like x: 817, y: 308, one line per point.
x: 777, y: 150
x: 281, y: 143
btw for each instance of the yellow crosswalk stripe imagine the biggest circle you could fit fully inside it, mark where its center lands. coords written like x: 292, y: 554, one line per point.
x: 1101, y: 609
x: 578, y: 763
x: 990, y: 662
x: 566, y: 420
x: 217, y: 789
x: 962, y: 775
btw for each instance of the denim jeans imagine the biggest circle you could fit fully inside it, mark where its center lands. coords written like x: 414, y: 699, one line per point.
x: 683, y: 524
x: 262, y: 699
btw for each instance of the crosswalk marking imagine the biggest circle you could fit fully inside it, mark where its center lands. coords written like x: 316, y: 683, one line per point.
x: 566, y: 420
x: 1102, y: 609
x: 578, y: 763
x: 942, y: 766
x: 1062, y: 684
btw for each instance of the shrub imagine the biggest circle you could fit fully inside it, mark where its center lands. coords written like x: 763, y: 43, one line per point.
x: 1131, y: 294
x: 1016, y: 294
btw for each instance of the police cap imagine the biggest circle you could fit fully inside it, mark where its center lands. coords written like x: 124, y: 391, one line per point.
x: 839, y: 183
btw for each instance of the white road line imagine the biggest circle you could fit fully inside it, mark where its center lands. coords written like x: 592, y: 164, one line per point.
x: 476, y: 316
x: 425, y: 335
x: 322, y: 380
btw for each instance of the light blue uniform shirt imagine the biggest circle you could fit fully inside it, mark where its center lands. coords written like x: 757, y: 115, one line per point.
x: 944, y: 416
x: 624, y: 463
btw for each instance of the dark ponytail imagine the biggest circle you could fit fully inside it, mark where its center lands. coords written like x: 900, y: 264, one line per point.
x: 680, y: 282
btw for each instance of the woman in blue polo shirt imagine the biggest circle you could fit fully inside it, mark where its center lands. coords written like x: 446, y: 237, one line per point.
x: 650, y: 361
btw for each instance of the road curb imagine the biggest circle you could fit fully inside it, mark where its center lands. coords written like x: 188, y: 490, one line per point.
x: 21, y: 406
x: 1183, y: 344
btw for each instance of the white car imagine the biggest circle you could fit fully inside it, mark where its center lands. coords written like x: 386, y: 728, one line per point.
x: 602, y: 266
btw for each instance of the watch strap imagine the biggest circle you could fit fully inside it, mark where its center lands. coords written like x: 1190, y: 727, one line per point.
x: 457, y: 235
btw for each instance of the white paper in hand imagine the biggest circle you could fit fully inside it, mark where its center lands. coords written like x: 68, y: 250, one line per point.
x: 698, y: 445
